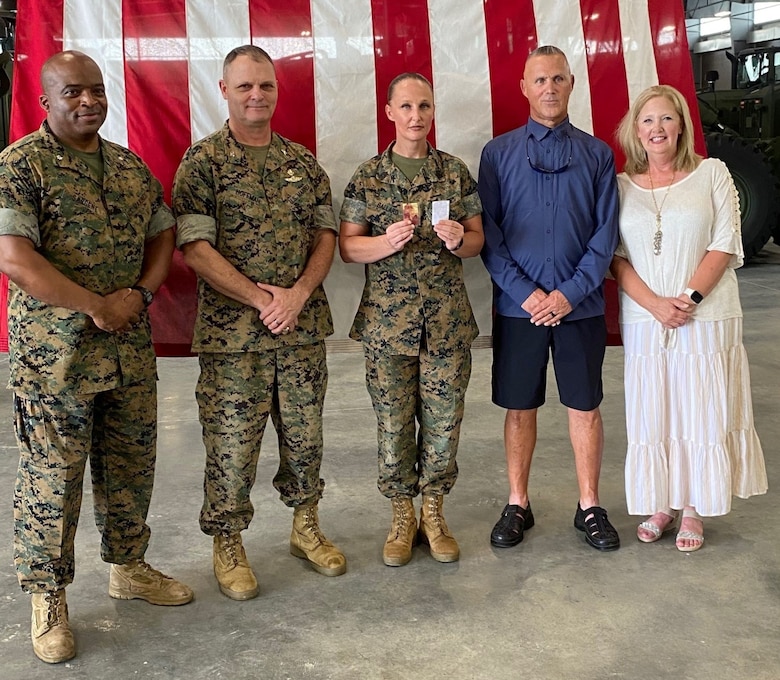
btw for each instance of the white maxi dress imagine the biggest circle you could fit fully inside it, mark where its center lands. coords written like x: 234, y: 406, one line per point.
x: 689, y: 413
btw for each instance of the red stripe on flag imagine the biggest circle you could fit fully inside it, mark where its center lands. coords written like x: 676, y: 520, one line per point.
x: 672, y: 58
x: 606, y: 69
x: 157, y: 84
x: 38, y: 36
x: 402, y: 42
x: 287, y: 25
x: 511, y: 34
x: 158, y: 129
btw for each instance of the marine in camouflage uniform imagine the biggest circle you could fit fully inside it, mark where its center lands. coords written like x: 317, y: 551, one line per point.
x: 85, y: 234
x: 252, y: 213
x: 414, y: 318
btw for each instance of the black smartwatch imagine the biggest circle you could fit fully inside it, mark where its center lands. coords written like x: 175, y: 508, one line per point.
x: 146, y: 294
x: 695, y: 295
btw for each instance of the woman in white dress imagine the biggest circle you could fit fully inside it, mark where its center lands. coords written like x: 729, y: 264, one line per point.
x: 689, y: 416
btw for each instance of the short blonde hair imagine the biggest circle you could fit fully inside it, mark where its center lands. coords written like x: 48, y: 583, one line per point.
x: 686, y: 158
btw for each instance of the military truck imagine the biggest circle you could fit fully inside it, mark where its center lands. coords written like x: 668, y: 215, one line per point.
x: 742, y: 128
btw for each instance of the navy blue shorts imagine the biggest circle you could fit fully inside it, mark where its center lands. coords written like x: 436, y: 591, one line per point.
x: 521, y: 352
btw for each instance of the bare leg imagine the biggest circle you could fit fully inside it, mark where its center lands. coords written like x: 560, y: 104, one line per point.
x: 519, y: 443
x: 587, y: 440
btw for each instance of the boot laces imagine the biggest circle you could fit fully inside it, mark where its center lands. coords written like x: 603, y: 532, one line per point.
x: 54, y: 608
x: 149, y: 570
x: 311, y: 525
x: 230, y: 544
x: 435, y: 517
x: 403, y: 518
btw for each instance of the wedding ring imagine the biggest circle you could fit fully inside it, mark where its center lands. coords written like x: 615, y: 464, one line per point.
x: 285, y: 330
x: 553, y: 313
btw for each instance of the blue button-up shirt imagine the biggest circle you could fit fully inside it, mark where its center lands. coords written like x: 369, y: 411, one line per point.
x: 554, y: 230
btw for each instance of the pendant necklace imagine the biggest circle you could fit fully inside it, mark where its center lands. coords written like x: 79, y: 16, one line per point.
x: 658, y: 236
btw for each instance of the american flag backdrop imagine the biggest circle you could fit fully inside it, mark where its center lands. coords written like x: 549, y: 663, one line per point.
x: 161, y: 60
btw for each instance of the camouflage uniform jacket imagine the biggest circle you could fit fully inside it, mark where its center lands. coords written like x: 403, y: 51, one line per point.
x: 263, y: 225
x: 421, y: 287
x: 95, y: 235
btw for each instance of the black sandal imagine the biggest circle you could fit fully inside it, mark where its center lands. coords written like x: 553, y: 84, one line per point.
x: 599, y: 532
x: 510, y: 526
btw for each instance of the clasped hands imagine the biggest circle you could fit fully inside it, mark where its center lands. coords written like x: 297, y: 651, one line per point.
x: 546, y: 309
x: 118, y: 311
x: 280, y: 315
x: 673, y: 312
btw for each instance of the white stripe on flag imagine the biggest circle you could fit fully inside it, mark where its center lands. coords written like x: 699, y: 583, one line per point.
x: 559, y: 23
x: 212, y: 31
x: 95, y: 28
x: 638, y: 50
x: 461, y: 77
x: 344, y: 88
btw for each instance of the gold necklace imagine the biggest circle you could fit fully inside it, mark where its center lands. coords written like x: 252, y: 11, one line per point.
x: 658, y: 236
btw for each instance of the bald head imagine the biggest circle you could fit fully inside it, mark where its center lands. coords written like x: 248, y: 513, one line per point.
x: 74, y: 98
x: 53, y: 65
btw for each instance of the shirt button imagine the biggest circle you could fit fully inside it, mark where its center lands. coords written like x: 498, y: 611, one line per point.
x: 548, y: 259
x: 549, y: 230
x: 547, y: 177
x: 548, y: 203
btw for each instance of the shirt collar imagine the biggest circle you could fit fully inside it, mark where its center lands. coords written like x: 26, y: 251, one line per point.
x: 539, y: 131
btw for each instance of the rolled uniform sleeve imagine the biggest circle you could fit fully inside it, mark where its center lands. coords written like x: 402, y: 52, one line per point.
x: 324, y: 218
x: 162, y: 218
x: 194, y: 203
x: 19, y: 200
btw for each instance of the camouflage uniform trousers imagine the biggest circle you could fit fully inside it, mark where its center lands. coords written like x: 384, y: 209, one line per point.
x: 429, y: 389
x: 236, y: 392
x: 117, y: 431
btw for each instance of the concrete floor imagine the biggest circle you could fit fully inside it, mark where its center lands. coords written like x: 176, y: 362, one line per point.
x: 549, y: 609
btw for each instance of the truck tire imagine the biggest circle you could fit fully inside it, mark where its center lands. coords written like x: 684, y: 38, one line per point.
x: 756, y: 184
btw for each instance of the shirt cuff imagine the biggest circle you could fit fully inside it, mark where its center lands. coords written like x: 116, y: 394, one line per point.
x: 161, y: 221
x: 324, y: 217
x: 353, y: 211
x: 191, y: 228
x: 15, y: 223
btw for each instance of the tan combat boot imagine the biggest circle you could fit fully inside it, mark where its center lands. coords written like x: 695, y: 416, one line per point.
x: 434, y: 531
x: 51, y: 637
x: 403, y: 533
x: 231, y: 567
x: 308, y: 543
x: 137, y: 580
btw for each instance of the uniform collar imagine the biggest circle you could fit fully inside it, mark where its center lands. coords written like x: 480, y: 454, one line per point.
x: 112, y: 156
x: 279, y: 151
x: 431, y: 171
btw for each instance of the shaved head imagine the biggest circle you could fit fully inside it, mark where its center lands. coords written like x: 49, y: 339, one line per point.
x: 74, y: 98
x: 52, y: 66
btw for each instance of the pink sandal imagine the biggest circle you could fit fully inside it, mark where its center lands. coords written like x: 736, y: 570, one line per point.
x: 689, y: 535
x: 654, y: 529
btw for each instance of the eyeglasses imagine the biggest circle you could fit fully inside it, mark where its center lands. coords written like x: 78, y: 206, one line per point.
x: 547, y: 171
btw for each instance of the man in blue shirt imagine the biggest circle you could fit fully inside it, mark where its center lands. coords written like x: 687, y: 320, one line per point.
x: 550, y: 216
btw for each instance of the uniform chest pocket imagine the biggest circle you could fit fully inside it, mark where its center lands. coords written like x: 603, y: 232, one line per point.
x: 297, y: 199
x: 381, y: 214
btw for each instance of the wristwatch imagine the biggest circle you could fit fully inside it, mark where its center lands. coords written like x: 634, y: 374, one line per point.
x: 146, y: 294
x: 695, y: 295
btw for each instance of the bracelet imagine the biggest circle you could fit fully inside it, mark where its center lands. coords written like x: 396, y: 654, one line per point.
x: 457, y: 247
